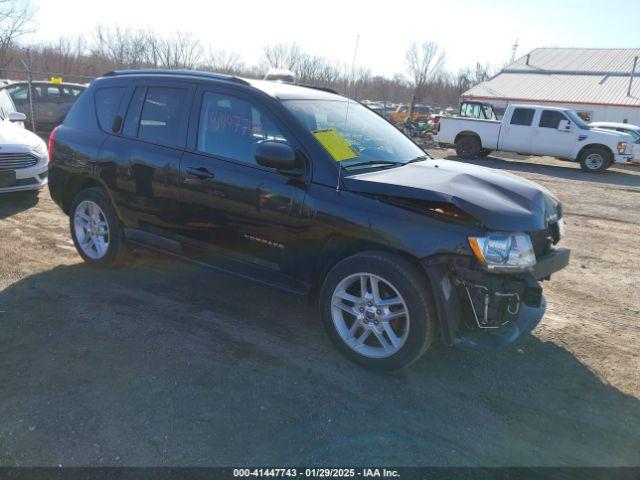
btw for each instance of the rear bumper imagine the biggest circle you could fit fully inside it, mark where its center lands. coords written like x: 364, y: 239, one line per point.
x: 482, y: 309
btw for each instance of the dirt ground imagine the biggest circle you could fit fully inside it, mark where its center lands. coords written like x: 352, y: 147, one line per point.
x: 163, y: 363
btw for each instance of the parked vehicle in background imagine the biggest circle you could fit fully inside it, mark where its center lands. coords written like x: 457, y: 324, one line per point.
x: 420, y: 113
x: 23, y: 154
x: 633, y: 130
x: 313, y: 193
x: 279, y: 75
x: 538, y: 130
x: 51, y: 102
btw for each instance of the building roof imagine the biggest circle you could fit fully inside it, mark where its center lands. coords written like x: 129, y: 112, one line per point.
x: 566, y: 75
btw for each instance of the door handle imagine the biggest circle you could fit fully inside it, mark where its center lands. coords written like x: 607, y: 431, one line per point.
x: 202, y: 173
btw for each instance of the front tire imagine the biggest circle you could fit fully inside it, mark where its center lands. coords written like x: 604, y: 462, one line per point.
x: 595, y: 160
x: 378, y: 310
x: 96, y: 230
x: 468, y: 147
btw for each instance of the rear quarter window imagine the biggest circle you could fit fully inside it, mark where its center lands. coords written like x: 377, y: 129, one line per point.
x: 107, y: 101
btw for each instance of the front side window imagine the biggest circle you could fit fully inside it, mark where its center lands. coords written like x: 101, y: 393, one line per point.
x: 230, y: 127
x: 551, y: 119
x: 163, y: 118
x: 372, y: 139
x: 523, y: 116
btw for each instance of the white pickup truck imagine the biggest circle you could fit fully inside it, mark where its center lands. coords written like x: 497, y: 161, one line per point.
x: 537, y: 130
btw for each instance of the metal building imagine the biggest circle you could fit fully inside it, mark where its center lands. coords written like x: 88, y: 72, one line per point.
x: 600, y: 84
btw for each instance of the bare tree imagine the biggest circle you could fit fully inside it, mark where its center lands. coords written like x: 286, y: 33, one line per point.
x: 224, y: 61
x: 282, y: 55
x: 423, y: 62
x: 16, y: 18
x: 180, y: 50
x: 122, y: 47
x: 315, y: 70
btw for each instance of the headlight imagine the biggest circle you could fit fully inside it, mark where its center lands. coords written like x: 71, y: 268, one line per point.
x: 40, y: 149
x: 622, y: 147
x: 562, y: 228
x: 501, y: 251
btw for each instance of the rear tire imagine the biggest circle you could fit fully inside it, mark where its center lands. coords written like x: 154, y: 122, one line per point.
x: 595, y: 160
x: 96, y: 230
x: 391, y: 324
x: 468, y: 147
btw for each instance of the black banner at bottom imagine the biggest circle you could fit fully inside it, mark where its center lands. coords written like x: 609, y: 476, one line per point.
x: 405, y: 473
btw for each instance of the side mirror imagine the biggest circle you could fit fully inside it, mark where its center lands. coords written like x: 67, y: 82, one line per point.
x: 564, y: 125
x: 276, y: 155
x: 17, y: 117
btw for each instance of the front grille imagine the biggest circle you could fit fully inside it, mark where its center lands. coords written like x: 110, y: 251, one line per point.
x: 16, y: 161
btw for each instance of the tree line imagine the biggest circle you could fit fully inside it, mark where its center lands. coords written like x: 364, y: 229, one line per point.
x: 108, y: 48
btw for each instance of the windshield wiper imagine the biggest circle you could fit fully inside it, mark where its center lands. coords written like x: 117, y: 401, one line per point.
x: 418, y: 159
x: 382, y: 163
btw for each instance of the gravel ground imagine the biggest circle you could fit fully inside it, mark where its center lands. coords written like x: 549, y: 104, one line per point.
x: 163, y: 363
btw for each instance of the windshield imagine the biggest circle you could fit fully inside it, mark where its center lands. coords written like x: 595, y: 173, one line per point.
x: 573, y: 116
x: 371, y: 138
x: 634, y: 133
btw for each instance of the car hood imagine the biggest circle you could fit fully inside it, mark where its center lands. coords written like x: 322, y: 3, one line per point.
x: 13, y: 134
x: 607, y: 133
x: 500, y: 201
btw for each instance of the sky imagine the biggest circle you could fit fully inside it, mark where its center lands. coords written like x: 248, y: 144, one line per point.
x: 468, y: 31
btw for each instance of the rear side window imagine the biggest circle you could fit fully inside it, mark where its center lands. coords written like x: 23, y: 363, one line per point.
x: 523, y: 116
x: 107, y: 103
x: 164, y: 115
x: 551, y: 119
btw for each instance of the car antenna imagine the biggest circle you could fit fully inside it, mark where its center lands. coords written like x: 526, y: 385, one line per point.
x: 346, y: 116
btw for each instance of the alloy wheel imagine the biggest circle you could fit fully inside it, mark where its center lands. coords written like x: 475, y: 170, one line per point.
x: 91, y: 229
x: 370, y: 315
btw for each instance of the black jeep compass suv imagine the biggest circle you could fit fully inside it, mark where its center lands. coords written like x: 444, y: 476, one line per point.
x: 305, y: 190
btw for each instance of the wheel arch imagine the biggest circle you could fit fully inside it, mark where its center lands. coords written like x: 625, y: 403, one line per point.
x: 338, y: 247
x: 467, y: 133
x: 595, y: 145
x: 75, y: 185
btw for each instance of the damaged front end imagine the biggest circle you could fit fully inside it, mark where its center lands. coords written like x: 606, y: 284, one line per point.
x: 478, y: 307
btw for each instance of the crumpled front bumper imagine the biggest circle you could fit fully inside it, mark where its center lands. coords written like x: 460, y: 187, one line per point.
x: 477, y: 308
x: 624, y: 158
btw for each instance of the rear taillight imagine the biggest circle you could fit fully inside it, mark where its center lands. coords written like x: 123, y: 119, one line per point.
x: 51, y: 141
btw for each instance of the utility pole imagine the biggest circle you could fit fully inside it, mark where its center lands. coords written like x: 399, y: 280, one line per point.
x: 633, y: 73
x: 27, y: 67
x: 514, y: 49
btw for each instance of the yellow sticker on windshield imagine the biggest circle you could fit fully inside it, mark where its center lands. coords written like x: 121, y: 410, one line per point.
x: 335, y: 144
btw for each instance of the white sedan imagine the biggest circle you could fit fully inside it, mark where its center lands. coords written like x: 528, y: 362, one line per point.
x: 633, y: 130
x: 24, y: 158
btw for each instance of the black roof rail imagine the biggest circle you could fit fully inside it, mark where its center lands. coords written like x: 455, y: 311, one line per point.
x: 317, y: 87
x: 187, y: 73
